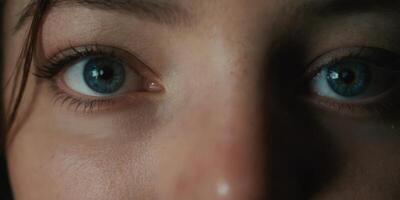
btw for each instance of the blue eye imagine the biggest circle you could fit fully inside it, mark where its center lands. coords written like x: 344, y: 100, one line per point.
x: 351, y: 80
x: 104, y: 75
x: 348, y: 79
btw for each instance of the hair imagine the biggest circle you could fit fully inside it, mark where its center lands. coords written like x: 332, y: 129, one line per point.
x: 18, y: 86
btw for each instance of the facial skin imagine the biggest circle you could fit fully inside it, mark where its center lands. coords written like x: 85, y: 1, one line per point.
x: 226, y: 119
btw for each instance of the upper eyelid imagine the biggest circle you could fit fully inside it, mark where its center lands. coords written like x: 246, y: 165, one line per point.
x: 89, y: 50
x: 331, y: 57
x: 61, y: 58
x: 73, y: 54
x: 369, y: 54
x: 127, y: 57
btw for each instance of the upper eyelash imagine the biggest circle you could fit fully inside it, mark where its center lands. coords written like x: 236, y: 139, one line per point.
x: 369, y: 55
x: 351, y: 55
x: 57, y: 63
x: 375, y: 56
x: 358, y: 54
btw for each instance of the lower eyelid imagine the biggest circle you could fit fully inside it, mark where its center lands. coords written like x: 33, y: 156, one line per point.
x: 101, y: 105
x: 379, y: 106
x: 75, y: 102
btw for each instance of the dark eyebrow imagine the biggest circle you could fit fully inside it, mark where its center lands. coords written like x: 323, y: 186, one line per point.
x: 345, y: 7
x: 159, y: 11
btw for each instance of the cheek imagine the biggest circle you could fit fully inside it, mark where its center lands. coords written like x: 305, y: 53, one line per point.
x: 55, y: 154
x: 46, y: 166
x: 369, y: 158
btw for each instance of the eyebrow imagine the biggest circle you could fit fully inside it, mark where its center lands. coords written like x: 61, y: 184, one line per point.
x: 159, y: 11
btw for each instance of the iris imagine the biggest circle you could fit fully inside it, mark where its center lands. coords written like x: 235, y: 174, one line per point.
x: 104, y: 75
x: 349, y: 79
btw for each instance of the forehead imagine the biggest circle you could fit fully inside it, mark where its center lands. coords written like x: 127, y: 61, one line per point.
x: 259, y: 12
x: 208, y: 11
x: 220, y: 7
x: 194, y: 6
x: 188, y: 3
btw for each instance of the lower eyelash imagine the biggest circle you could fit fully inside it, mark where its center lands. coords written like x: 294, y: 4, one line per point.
x: 385, y: 108
x: 81, y: 105
x: 77, y: 104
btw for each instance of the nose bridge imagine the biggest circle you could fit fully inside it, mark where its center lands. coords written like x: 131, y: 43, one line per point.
x: 227, y: 159
x: 240, y: 154
x: 222, y: 153
x: 238, y: 162
x: 242, y: 146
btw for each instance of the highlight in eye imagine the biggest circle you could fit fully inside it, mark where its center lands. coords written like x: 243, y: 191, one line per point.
x: 351, y: 80
x: 355, y: 81
x: 94, y: 77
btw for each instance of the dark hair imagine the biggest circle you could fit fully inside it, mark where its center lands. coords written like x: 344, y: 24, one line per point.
x: 18, y: 86
x: 5, y: 191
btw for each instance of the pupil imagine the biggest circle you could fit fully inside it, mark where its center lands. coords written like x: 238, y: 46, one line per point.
x: 348, y: 76
x: 349, y: 79
x: 104, y: 75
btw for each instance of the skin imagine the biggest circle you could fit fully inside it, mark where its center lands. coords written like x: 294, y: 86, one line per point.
x: 226, y: 124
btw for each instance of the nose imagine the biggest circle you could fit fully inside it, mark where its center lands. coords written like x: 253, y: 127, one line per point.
x: 221, y: 153
x: 217, y: 138
x: 225, y: 160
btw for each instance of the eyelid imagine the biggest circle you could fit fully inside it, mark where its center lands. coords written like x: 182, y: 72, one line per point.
x: 378, y: 57
x: 65, y: 58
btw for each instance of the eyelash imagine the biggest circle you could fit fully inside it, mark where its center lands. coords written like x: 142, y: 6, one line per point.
x: 356, y: 54
x: 388, y: 101
x: 55, y: 65
x: 80, y: 104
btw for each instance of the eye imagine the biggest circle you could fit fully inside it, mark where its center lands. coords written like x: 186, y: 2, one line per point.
x: 351, y: 80
x: 101, y: 76
x: 98, y: 77
x: 355, y: 81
